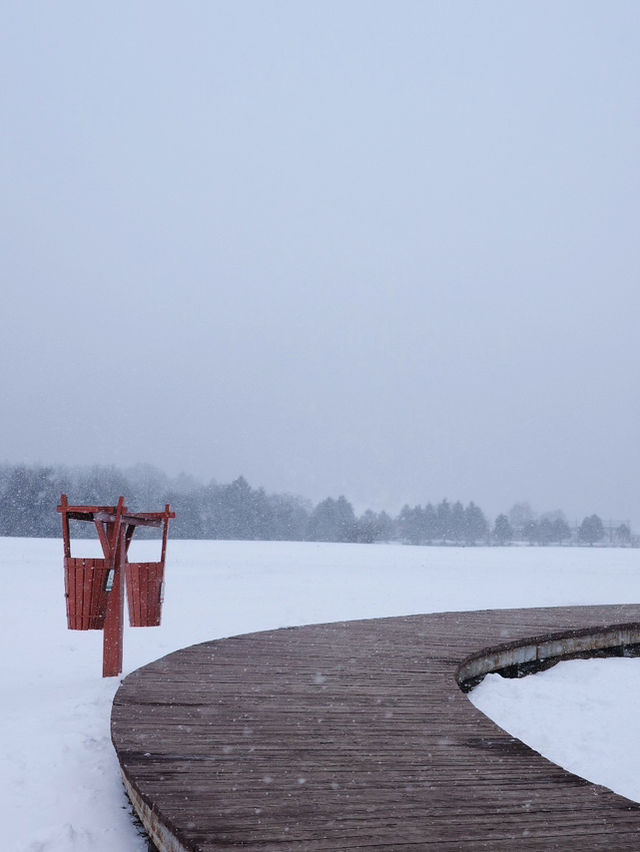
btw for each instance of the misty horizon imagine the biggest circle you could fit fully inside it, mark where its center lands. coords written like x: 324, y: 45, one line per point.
x: 28, y: 495
x: 385, y: 252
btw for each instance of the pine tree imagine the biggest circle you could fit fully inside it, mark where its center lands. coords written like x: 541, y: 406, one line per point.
x: 591, y: 530
x: 502, y: 530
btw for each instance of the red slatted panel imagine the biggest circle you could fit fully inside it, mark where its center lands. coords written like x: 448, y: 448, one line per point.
x: 85, y: 581
x: 144, y: 586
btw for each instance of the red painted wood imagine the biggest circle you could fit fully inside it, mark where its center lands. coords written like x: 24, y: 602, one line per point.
x: 66, y: 592
x: 133, y: 593
x: 155, y: 595
x: 66, y: 536
x: 89, y: 606
x: 144, y: 589
x: 130, y: 529
x: 70, y: 593
x: 114, y: 621
x: 145, y: 579
x: 103, y: 535
x: 98, y: 602
x: 82, y: 617
x: 81, y: 579
x: 144, y: 595
x: 165, y: 531
x: 84, y: 581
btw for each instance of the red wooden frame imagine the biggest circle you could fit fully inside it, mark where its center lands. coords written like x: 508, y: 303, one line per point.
x: 94, y: 588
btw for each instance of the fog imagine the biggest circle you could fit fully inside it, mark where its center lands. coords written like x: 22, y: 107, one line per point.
x: 382, y: 250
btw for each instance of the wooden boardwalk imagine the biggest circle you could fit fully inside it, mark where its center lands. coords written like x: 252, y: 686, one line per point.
x: 356, y: 735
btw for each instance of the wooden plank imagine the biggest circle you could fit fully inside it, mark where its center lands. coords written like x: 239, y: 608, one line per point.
x: 70, y: 591
x: 81, y: 590
x: 112, y: 646
x: 66, y: 534
x: 149, y: 519
x: 144, y: 593
x: 156, y: 576
x: 105, y: 531
x: 67, y: 590
x: 97, y: 580
x: 165, y: 532
x: 354, y: 736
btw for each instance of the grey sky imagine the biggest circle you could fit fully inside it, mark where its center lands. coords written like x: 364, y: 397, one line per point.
x: 382, y: 249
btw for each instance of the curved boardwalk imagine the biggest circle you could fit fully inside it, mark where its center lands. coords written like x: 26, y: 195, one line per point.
x: 356, y: 735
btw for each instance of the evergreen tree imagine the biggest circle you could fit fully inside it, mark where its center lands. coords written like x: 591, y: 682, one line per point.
x: 332, y: 520
x: 146, y: 486
x: 410, y: 525
x: 623, y: 535
x: 530, y: 531
x: 443, y: 514
x: 366, y: 528
x: 371, y: 527
x: 475, y: 523
x: 502, y: 530
x: 101, y: 486
x: 458, y: 523
x: 386, y: 527
x: 188, y: 522
x: 289, y: 516
x: 431, y: 524
x: 28, y: 502
x: 591, y: 530
x: 545, y: 531
x: 561, y: 531
x: 520, y: 515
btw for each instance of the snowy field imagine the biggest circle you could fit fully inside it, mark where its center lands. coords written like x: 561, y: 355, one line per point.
x: 61, y: 783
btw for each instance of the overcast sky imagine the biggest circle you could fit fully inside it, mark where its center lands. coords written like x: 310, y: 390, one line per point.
x: 386, y: 250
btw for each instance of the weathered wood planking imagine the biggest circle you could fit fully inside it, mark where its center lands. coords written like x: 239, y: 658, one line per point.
x: 353, y: 736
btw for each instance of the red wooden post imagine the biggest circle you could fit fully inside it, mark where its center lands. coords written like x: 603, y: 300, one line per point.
x: 112, y: 653
x: 66, y: 536
x: 165, y: 531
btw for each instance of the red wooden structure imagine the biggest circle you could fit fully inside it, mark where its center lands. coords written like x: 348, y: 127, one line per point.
x: 94, y: 588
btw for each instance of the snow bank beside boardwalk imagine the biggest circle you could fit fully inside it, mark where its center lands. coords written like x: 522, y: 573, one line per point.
x: 582, y: 714
x: 61, y: 782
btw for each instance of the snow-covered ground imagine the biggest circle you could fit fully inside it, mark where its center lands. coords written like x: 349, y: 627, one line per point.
x: 61, y: 784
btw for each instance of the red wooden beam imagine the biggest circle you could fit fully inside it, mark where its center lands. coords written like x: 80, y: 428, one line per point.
x: 114, y: 619
x: 65, y: 526
x: 165, y: 531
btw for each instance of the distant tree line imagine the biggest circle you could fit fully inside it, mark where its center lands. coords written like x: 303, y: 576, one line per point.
x: 445, y: 522
x: 29, y: 496
x: 522, y: 525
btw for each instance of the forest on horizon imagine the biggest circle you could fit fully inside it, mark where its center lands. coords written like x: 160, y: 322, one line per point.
x: 29, y: 496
